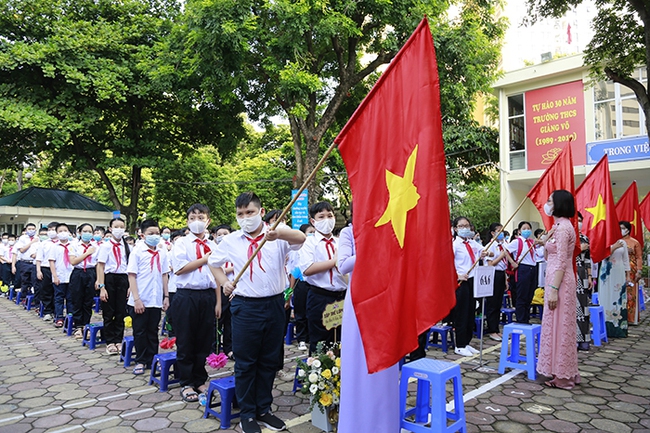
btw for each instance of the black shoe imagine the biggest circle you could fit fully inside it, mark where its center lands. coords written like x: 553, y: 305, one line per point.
x: 249, y: 425
x: 583, y: 347
x: 271, y: 422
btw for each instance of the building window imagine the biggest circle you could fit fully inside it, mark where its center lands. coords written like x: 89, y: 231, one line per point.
x: 516, y: 131
x: 617, y: 112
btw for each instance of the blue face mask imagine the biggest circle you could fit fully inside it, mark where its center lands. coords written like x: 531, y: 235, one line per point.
x: 152, y: 240
x: 86, y: 237
x: 165, y: 236
x: 501, y: 236
x: 526, y: 234
x: 98, y: 238
x: 465, y: 233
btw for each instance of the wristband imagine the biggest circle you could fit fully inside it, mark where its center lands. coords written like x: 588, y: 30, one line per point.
x: 136, y: 299
x: 165, y: 297
x: 101, y: 286
x: 553, y: 287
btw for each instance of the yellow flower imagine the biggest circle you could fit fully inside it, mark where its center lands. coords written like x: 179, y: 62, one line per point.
x: 325, y: 399
x: 326, y: 374
x: 338, y: 362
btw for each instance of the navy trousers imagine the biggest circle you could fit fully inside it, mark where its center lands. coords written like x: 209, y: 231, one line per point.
x: 526, y: 285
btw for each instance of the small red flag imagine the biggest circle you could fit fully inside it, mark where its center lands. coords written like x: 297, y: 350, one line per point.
x: 627, y: 209
x: 595, y: 200
x: 644, y: 210
x: 393, y: 151
x: 559, y: 175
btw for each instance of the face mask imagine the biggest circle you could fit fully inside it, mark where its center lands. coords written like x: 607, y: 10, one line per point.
x: 86, y: 237
x: 5, y: 241
x: 580, y: 225
x: 30, y: 233
x: 325, y: 226
x: 526, y: 234
x: 197, y: 226
x: 63, y: 236
x: 465, y: 233
x: 166, y: 236
x: 250, y: 224
x: 310, y: 234
x: 625, y: 232
x: 500, y: 237
x: 219, y: 238
x: 152, y: 240
x: 548, y: 209
x: 11, y: 243
x: 97, y: 238
x: 51, y: 234
x: 118, y: 233
x: 43, y: 237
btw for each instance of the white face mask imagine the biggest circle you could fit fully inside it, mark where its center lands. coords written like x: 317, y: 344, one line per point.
x: 579, y: 225
x: 118, y: 233
x: 250, y: 224
x: 63, y: 236
x: 197, y: 226
x: 324, y: 226
x: 625, y: 232
x: 51, y: 234
x: 5, y: 241
x: 548, y: 209
x: 11, y: 243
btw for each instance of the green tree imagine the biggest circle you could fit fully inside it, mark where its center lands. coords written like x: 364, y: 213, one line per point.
x: 303, y: 59
x: 479, y: 201
x: 621, y: 41
x: 82, y: 81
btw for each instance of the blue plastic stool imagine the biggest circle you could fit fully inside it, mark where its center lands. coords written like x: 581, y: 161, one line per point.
x: 446, y: 337
x: 290, y: 336
x: 163, y: 365
x: 93, y: 335
x: 537, y: 310
x: 68, y: 325
x: 226, y: 388
x: 18, y: 295
x: 504, y: 303
x: 12, y: 293
x: 533, y: 336
x: 594, y: 298
x: 296, y: 383
x: 163, y: 328
x: 431, y: 399
x: 477, y: 326
x: 128, y: 350
x: 98, y: 304
x: 641, y: 299
x: 599, y: 330
x: 28, y: 302
x: 508, y: 312
x: 41, y: 310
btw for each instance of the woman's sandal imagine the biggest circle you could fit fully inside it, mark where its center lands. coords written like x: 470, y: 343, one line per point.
x: 139, y: 369
x: 189, y: 395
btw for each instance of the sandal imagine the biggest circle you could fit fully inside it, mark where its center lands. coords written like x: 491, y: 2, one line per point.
x: 189, y: 395
x: 139, y: 369
x: 112, y: 349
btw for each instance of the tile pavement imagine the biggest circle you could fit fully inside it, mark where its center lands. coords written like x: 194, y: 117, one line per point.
x: 50, y: 383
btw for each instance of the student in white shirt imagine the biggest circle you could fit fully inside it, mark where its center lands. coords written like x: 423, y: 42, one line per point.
x: 257, y: 308
x: 523, y: 251
x: 225, y: 321
x: 113, y: 284
x: 196, y: 303
x: 44, y: 274
x: 7, y: 262
x: 25, y: 254
x: 83, y: 257
x: 148, y: 271
x: 38, y: 283
x: 499, y: 258
x: 466, y: 252
x: 61, y: 268
x: 171, y: 289
x: 4, y: 245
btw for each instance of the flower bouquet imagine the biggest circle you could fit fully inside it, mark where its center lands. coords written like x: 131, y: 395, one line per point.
x: 320, y: 376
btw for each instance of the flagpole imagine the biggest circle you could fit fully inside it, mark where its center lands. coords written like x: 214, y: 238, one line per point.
x: 533, y: 245
x: 286, y: 210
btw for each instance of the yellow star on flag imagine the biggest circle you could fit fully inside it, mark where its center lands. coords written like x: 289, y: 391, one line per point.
x: 599, y: 211
x: 634, y: 221
x: 403, y: 196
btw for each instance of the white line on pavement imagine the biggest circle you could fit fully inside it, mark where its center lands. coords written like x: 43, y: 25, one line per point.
x: 11, y: 419
x: 137, y: 412
x: 43, y: 411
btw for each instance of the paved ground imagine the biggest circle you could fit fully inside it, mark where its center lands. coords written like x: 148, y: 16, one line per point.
x: 50, y: 383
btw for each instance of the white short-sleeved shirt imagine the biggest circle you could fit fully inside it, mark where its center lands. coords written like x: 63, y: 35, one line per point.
x: 149, y: 266
x: 315, y: 250
x: 10, y: 250
x: 539, y: 254
x: 268, y: 276
x: 462, y: 259
x: 79, y: 249
x: 43, y: 253
x: 109, y: 252
x: 61, y: 264
x: 184, y: 252
x: 496, y: 248
x: 523, y: 244
x: 20, y: 243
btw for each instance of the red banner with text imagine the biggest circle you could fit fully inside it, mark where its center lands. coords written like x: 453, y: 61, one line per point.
x: 555, y: 115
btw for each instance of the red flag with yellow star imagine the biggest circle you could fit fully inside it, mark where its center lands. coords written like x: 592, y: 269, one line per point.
x: 644, y: 210
x: 404, y: 277
x: 595, y: 200
x: 558, y: 175
x: 627, y: 209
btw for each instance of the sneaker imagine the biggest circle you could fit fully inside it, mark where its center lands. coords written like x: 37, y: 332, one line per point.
x: 472, y: 350
x: 271, y: 422
x: 58, y: 323
x: 78, y: 334
x: 249, y: 425
x: 47, y: 317
x: 495, y: 337
x: 462, y: 351
x: 302, y: 346
x: 283, y: 375
x: 583, y: 347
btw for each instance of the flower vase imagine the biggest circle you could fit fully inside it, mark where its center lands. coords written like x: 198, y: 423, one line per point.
x: 326, y: 420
